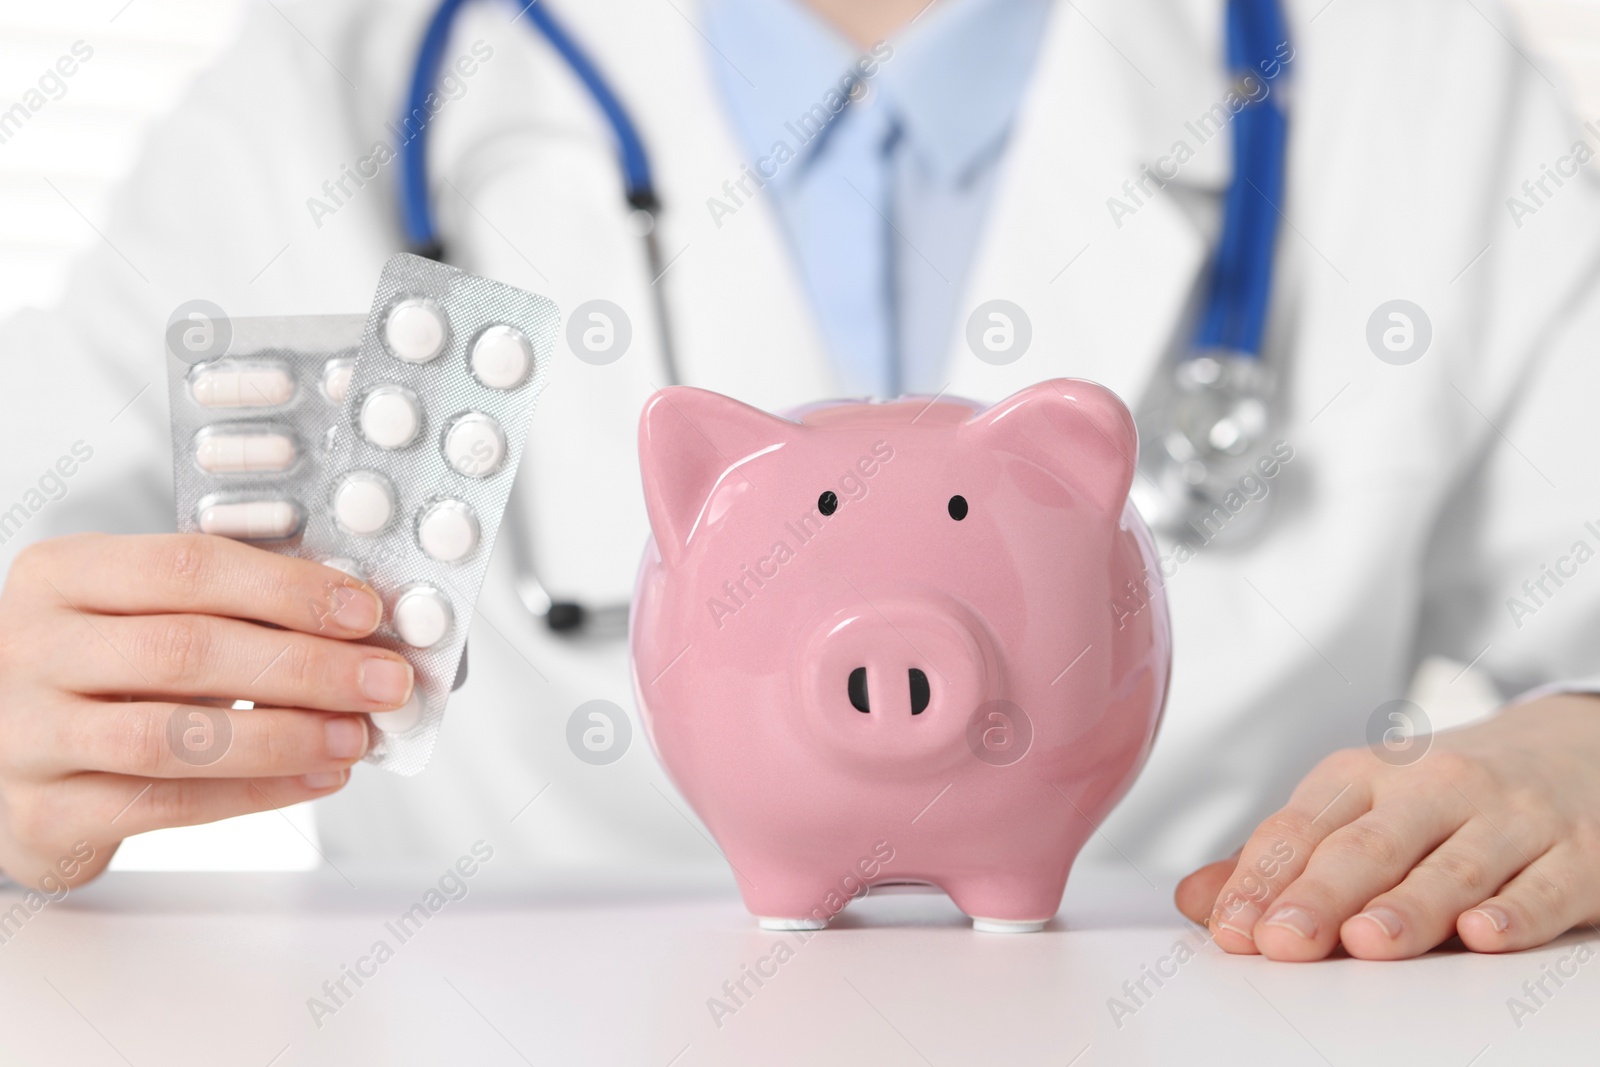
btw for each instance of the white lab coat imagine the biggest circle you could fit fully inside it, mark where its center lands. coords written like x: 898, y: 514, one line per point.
x: 1419, y: 498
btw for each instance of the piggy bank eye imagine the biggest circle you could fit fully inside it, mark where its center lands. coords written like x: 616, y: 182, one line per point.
x: 958, y: 508
x: 828, y: 503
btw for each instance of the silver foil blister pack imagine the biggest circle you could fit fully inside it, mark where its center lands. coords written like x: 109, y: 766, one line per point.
x: 414, y: 488
x: 403, y: 483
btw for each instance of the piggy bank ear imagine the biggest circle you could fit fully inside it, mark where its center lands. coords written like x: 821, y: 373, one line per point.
x: 1075, y: 429
x: 689, y: 439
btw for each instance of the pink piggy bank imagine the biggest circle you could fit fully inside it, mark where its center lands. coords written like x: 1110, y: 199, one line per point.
x: 905, y: 642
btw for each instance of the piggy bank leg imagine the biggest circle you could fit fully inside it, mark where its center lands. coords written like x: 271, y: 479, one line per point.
x: 767, y: 922
x: 782, y: 899
x: 1020, y: 903
x: 1008, y: 926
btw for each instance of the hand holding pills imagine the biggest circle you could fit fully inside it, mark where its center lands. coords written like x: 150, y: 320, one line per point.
x: 115, y: 650
x: 386, y: 453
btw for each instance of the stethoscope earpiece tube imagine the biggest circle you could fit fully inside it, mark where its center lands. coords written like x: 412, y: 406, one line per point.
x: 417, y: 206
x: 422, y: 238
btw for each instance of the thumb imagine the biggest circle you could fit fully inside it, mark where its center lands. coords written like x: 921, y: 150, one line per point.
x: 1197, y: 894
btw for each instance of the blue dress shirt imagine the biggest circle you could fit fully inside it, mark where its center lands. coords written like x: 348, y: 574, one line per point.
x: 880, y: 165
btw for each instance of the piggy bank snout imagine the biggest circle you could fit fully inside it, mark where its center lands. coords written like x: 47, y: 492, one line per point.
x: 896, y: 681
x: 861, y: 695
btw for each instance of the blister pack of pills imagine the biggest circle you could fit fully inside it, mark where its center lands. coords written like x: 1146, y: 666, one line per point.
x: 449, y: 370
x: 254, y: 412
x: 408, y: 478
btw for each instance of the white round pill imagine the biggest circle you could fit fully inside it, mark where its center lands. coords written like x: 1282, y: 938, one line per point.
x: 447, y: 530
x: 391, y: 416
x: 250, y: 520
x: 501, y: 357
x: 475, y: 445
x: 336, y: 377
x: 403, y: 719
x: 415, y: 330
x: 422, y: 616
x: 364, y: 502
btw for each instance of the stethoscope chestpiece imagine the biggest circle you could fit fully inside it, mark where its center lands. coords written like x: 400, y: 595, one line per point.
x: 1204, y: 435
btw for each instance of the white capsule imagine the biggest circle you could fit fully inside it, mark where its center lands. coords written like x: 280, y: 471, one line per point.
x: 364, y: 502
x: 415, y: 330
x: 390, y: 416
x: 475, y: 445
x: 422, y: 616
x: 401, y: 720
x: 230, y: 385
x: 336, y: 377
x: 501, y: 357
x: 238, y: 453
x: 251, y: 520
x: 447, y: 531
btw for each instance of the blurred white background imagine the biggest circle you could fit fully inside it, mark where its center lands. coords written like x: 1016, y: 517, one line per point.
x: 145, y: 52
x: 57, y: 172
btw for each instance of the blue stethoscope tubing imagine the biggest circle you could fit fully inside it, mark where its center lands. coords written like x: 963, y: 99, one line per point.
x: 638, y: 182
x: 1234, y: 314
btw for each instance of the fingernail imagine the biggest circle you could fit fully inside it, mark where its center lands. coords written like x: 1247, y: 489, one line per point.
x: 347, y: 737
x: 1496, y: 915
x: 386, y: 681
x: 1387, y: 919
x: 356, y: 609
x: 323, y: 779
x: 1240, y: 920
x: 1296, y: 920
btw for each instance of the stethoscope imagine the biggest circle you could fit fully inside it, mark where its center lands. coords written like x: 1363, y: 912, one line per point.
x: 1203, y: 431
x: 569, y: 617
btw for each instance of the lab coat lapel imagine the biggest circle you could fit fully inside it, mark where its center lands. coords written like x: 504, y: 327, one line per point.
x: 1105, y: 296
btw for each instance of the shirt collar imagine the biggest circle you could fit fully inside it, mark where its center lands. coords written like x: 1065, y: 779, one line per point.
x: 954, y: 77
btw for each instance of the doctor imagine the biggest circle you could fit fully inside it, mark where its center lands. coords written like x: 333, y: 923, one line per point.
x: 1445, y: 502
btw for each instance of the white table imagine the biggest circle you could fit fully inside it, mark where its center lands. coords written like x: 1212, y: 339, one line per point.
x: 166, y: 969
